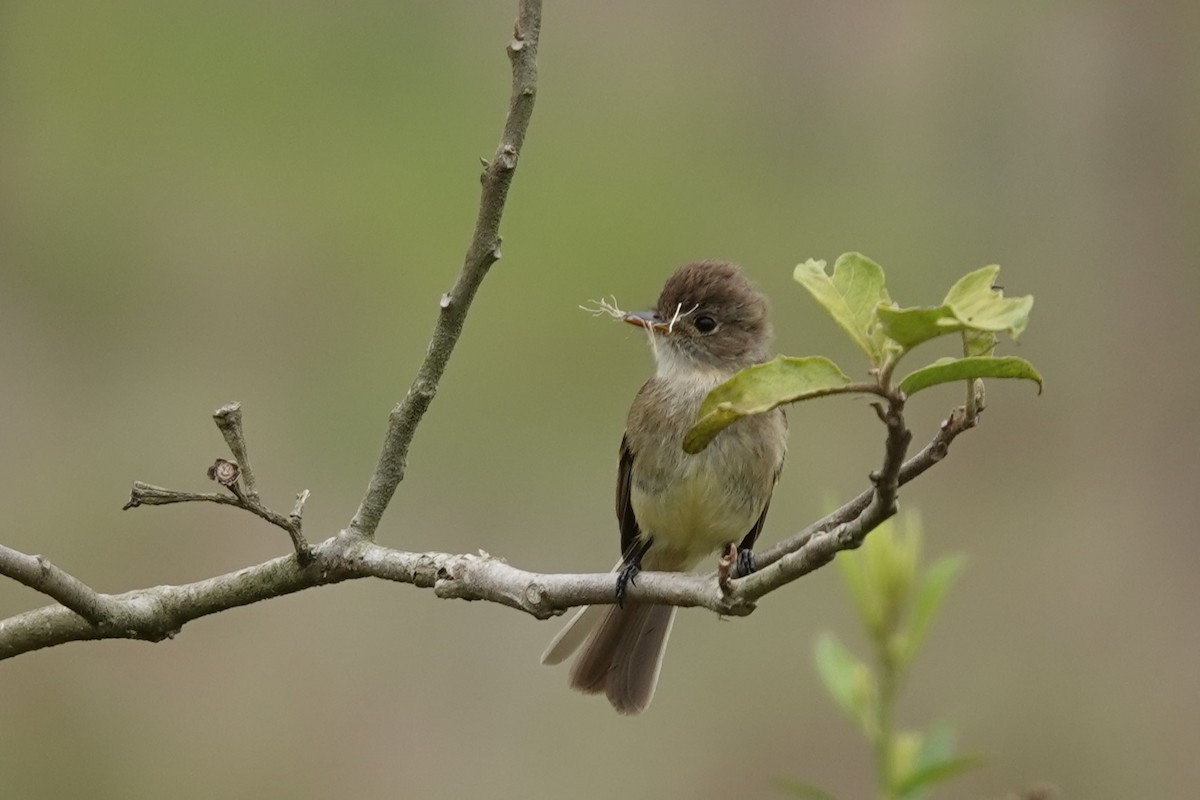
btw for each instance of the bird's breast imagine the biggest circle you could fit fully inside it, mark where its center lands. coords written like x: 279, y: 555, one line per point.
x: 695, y: 504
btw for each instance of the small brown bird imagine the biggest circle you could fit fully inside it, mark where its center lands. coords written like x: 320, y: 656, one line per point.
x: 675, y: 509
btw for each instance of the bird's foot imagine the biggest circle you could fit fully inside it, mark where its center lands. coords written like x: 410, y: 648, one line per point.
x: 733, y: 556
x: 725, y: 564
x: 631, y: 565
x: 626, y: 577
x: 746, y: 563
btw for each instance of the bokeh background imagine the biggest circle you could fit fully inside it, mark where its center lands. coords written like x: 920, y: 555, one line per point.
x: 202, y: 202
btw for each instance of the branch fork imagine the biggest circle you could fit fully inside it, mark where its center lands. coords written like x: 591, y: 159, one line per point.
x: 237, y: 477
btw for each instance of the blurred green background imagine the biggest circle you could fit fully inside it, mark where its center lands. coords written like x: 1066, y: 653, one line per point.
x: 202, y: 202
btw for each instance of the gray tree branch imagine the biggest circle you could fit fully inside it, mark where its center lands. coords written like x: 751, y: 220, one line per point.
x: 38, y: 573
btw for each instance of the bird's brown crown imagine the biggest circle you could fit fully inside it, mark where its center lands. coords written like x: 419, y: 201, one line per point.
x: 716, y: 315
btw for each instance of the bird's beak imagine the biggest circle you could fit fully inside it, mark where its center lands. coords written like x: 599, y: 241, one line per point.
x: 650, y: 320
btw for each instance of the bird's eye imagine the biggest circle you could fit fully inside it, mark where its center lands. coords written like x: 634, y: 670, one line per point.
x: 706, y: 324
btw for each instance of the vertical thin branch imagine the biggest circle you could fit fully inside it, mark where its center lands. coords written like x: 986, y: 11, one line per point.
x: 483, y: 251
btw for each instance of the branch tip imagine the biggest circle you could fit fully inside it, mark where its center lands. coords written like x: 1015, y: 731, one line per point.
x: 298, y: 508
x: 229, y: 420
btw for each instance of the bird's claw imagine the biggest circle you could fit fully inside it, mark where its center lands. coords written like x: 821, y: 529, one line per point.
x: 746, y: 563
x: 626, y: 577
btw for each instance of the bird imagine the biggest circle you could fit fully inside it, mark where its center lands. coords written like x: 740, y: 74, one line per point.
x: 675, y: 509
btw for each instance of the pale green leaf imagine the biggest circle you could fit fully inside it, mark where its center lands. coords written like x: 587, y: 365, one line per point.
x: 909, y: 327
x: 972, y: 304
x: 937, y: 745
x: 978, y: 343
x: 885, y: 567
x: 936, y: 773
x: 850, y: 296
x: 859, y: 581
x: 848, y: 681
x: 930, y: 594
x: 903, y: 754
x: 947, y: 370
x: 976, y: 304
x: 760, y: 388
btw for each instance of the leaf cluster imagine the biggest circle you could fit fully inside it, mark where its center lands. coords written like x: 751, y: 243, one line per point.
x: 856, y: 297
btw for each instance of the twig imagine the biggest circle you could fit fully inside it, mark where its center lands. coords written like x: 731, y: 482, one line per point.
x: 229, y: 419
x: 231, y: 475
x: 147, y: 494
x: 929, y: 455
x: 483, y: 251
x: 296, y: 517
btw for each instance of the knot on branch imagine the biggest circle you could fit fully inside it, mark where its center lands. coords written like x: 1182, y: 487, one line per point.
x: 534, y: 596
x: 517, y: 43
x: 735, y: 604
x: 224, y: 472
x: 508, y: 157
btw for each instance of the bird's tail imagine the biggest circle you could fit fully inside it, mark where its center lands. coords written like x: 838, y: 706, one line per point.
x: 622, y: 651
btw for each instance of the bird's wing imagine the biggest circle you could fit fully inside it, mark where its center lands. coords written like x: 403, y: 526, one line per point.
x: 752, y: 536
x: 630, y: 532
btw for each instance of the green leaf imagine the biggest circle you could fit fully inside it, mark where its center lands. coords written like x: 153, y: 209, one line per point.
x: 895, y: 564
x: 937, y: 745
x: 947, y: 370
x: 933, y: 747
x: 971, y: 304
x: 909, y: 327
x: 759, y: 389
x: 802, y: 789
x: 880, y: 576
x: 902, y: 755
x: 976, y: 304
x: 850, y: 296
x: 978, y: 343
x: 848, y: 680
x: 860, y: 582
x: 936, y: 773
x: 930, y: 594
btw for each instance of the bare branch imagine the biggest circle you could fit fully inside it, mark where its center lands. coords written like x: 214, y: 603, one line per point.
x: 227, y: 474
x: 38, y: 573
x: 159, y: 612
x: 483, y: 251
x: 147, y: 494
x: 931, y: 454
x: 230, y: 475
